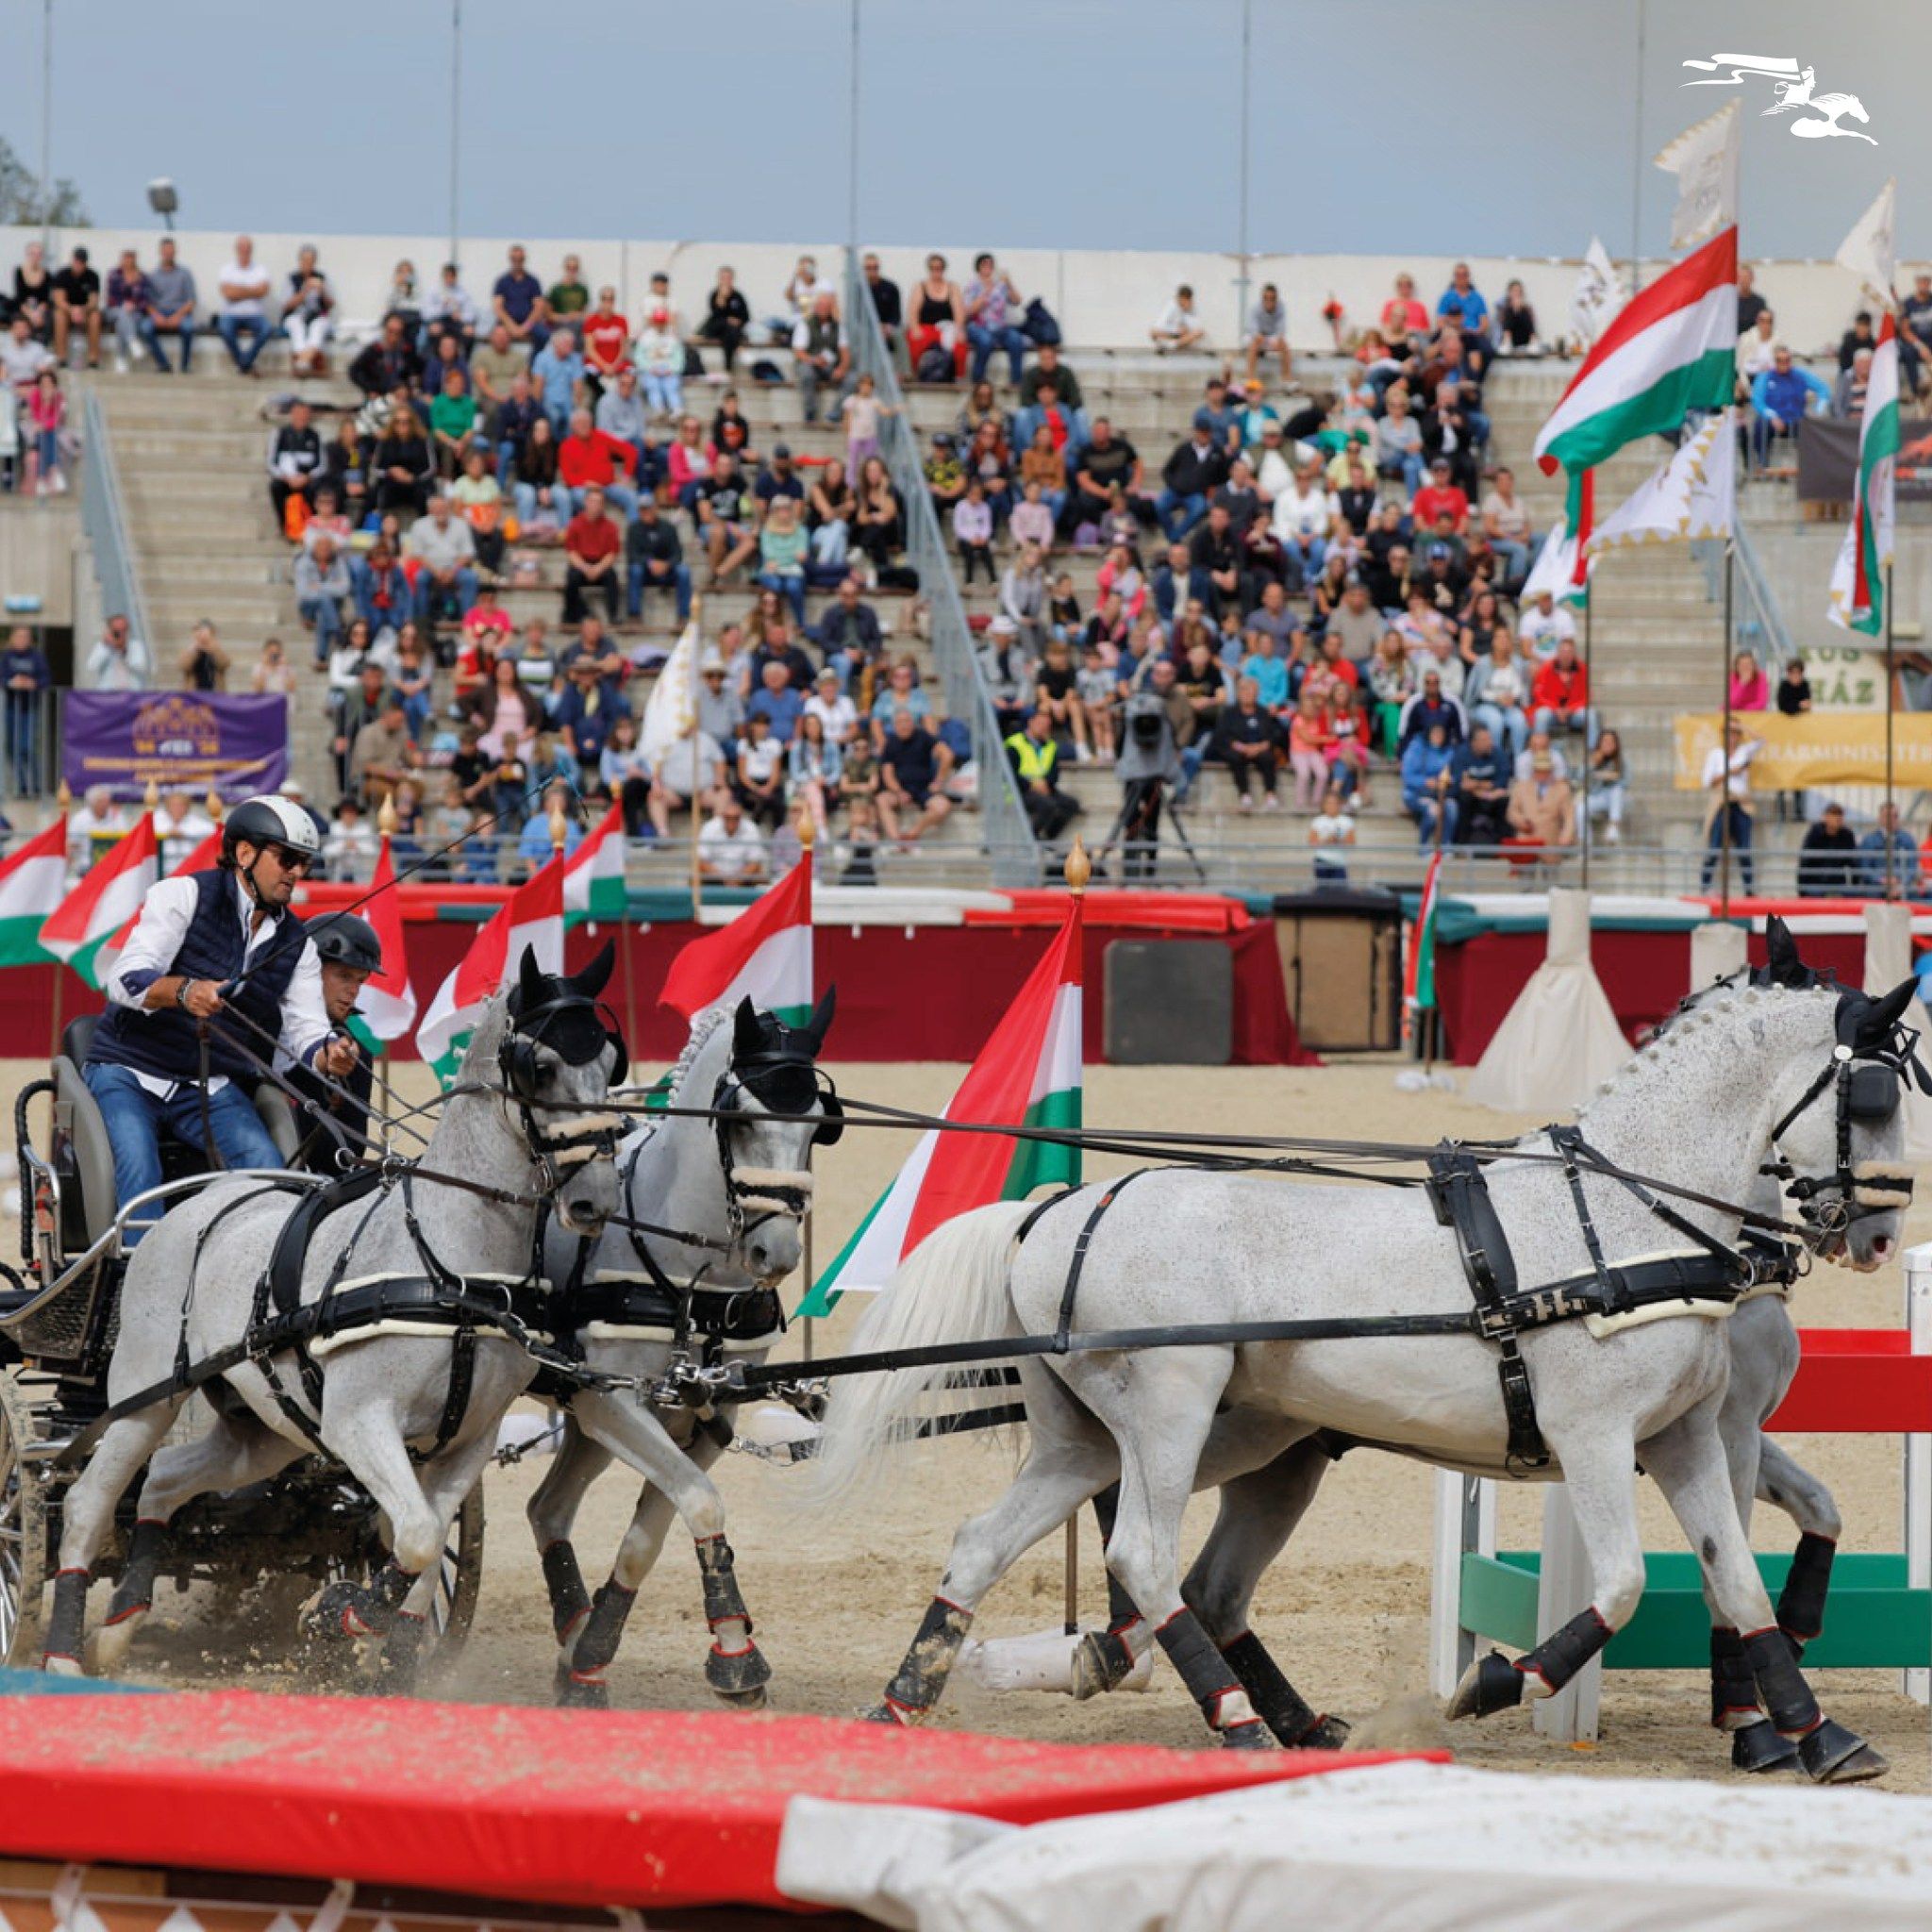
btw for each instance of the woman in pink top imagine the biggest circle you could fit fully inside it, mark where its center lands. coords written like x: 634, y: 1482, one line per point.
x: 46, y: 410
x: 1309, y: 743
x: 692, y: 463
x: 1749, y: 688
x: 503, y: 712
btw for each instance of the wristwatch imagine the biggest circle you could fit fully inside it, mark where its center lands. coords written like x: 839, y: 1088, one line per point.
x: 181, y: 992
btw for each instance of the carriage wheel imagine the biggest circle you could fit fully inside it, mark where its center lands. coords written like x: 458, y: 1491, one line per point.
x: 460, y: 1580
x: 23, y: 1530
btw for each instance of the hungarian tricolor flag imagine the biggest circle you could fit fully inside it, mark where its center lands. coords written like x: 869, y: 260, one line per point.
x: 1028, y: 1075
x: 1419, y: 984
x: 531, y: 916
x: 387, y: 1007
x: 1858, y: 579
x: 1671, y: 348
x: 32, y: 885
x: 764, y: 954
x: 107, y: 955
x: 594, y: 889
x: 106, y: 899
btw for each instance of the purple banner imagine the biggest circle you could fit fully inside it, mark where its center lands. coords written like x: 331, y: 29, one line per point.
x: 181, y: 741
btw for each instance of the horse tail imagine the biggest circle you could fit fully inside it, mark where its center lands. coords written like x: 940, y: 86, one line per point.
x: 952, y: 1287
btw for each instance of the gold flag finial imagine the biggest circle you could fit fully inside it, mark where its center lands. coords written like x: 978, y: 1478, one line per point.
x: 808, y: 832
x: 152, y: 796
x: 63, y: 796
x: 386, y: 819
x: 212, y: 803
x: 1079, y: 868
x: 559, y: 828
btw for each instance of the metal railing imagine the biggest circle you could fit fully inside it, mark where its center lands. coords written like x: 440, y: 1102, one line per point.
x: 1004, y: 828
x: 1757, y: 623
x: 103, y: 523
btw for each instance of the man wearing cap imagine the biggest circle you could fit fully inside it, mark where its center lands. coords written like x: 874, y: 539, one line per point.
x: 216, y: 977
x: 653, y: 560
x: 1829, y: 864
x: 1543, y: 808
x: 819, y: 352
x: 830, y: 705
x: 1196, y: 468
x: 720, y: 709
x: 1727, y: 782
x: 849, y: 633
x: 335, y: 1108
x: 779, y: 477
x: 1220, y: 415
x: 1441, y: 494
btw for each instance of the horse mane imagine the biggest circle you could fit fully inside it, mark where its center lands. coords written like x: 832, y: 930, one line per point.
x: 702, y: 1029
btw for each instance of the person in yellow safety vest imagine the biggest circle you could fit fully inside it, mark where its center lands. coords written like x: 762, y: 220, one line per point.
x: 1035, y: 757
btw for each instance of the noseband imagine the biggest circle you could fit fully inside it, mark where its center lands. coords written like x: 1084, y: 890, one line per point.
x: 786, y: 1086
x: 1865, y: 1088
x: 578, y: 1030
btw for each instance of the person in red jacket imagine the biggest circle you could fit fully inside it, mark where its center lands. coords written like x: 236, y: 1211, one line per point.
x: 1560, y: 695
x: 590, y: 456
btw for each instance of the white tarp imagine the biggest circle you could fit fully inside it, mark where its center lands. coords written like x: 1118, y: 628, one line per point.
x: 1560, y: 1039
x: 1425, y: 1847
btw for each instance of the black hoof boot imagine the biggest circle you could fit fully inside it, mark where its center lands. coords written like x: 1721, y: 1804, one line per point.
x: 1763, y: 1747
x: 1833, y: 1756
x: 342, y: 1612
x: 1103, y: 1662
x: 576, y: 1692
x: 739, y: 1677
x: 1251, y: 1736
x: 1329, y: 1734
x: 888, y: 1712
x: 1490, y: 1683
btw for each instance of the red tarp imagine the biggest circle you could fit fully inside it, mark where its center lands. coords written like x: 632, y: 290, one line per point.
x: 1858, y: 1381
x: 1123, y: 912
x: 631, y: 1808
x: 922, y: 992
x: 1643, y: 975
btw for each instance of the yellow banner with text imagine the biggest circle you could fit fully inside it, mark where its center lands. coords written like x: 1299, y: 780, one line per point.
x: 1820, y: 748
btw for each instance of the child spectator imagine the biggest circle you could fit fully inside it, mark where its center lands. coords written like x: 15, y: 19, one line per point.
x: 1331, y: 831
x: 972, y: 527
x: 47, y: 416
x: 863, y: 412
x: 1099, y: 702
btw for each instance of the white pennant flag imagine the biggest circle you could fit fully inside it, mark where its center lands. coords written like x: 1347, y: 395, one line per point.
x: 1554, y: 568
x: 1870, y: 250
x: 1691, y: 495
x: 1705, y: 160
x: 1599, y: 293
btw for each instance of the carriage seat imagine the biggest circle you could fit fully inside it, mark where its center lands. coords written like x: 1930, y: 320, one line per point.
x: 88, y: 1193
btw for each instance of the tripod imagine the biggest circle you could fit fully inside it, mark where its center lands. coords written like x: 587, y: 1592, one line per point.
x: 1137, y: 830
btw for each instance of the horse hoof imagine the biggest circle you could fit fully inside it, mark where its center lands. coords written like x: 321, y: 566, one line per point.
x: 732, y: 1677
x: 1762, y: 1747
x: 339, y: 1614
x: 1490, y: 1683
x: 1833, y: 1756
x: 1251, y: 1736
x: 108, y: 1648
x: 1102, y: 1662
x: 52, y: 1666
x: 743, y: 1700
x: 582, y: 1693
x: 885, y: 1714
x: 1325, y: 1734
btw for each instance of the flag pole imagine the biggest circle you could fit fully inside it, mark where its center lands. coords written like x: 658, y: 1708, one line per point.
x: 1890, y: 715
x: 1589, y: 699
x: 806, y: 833
x: 1078, y: 870
x: 386, y: 821
x: 697, y: 889
x: 1724, y: 795
x: 63, y: 798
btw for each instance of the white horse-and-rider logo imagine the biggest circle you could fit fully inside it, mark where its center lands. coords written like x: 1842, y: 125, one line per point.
x: 1792, y: 87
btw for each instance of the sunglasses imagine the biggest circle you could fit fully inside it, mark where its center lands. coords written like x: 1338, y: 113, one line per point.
x: 292, y: 861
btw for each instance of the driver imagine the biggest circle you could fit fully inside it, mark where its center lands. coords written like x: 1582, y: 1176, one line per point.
x: 216, y: 966
x: 350, y: 950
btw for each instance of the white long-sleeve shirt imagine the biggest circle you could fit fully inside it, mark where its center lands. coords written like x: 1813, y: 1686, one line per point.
x: 149, y: 954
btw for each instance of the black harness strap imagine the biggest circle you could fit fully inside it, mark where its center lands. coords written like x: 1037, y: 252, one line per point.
x: 1064, y: 1327
x: 1462, y: 1198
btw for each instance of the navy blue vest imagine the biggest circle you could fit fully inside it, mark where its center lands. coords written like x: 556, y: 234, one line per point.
x: 164, y: 1043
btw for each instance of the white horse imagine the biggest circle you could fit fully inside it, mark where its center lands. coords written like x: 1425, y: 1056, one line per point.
x: 1826, y: 110
x: 1705, y: 1103
x: 741, y: 1187
x: 524, y: 1125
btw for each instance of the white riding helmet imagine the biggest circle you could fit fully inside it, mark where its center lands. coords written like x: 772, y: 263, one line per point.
x: 267, y: 820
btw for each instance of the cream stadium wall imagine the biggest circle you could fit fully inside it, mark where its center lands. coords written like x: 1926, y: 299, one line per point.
x: 1105, y: 297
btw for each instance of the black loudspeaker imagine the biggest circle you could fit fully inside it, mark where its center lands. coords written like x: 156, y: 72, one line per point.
x: 1169, y: 1003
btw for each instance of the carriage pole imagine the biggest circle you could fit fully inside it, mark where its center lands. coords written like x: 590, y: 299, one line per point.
x: 806, y: 834
x: 1723, y: 783
x: 386, y: 821
x: 1890, y: 716
x: 63, y: 797
x: 1078, y: 869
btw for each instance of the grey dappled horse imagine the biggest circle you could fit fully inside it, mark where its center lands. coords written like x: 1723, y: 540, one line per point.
x: 527, y: 1119
x: 1702, y: 1106
x: 744, y: 1185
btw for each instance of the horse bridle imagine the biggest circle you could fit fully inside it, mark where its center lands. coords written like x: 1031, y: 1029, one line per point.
x: 786, y: 1084
x: 577, y: 1029
x: 1865, y: 1088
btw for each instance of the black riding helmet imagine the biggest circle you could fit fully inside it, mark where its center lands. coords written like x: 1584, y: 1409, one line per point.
x: 348, y: 942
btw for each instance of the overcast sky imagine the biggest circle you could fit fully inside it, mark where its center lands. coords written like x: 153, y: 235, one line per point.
x: 1446, y: 125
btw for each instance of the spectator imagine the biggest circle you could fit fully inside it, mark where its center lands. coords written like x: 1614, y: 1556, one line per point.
x: 621, y: 413
x: 1544, y: 625
x: 389, y: 365
x: 783, y: 546
x: 349, y: 846
x: 93, y: 827
x: 831, y: 705
x: 445, y: 551
x: 1401, y: 315
x: 1516, y: 324
x: 1438, y: 497
x: 653, y: 560
x: 1196, y: 468
x: 1915, y: 332
x: 777, y: 700
x: 814, y: 764
x: 863, y: 412
x: 590, y: 706
x: 799, y: 289
x: 1303, y: 518
x: 1506, y: 524
x: 1430, y: 794
x: 119, y: 661
x: 1779, y: 399
x: 973, y: 530
x: 1607, y: 783
x: 1848, y: 398
x: 1543, y: 808
x: 590, y: 459
x: 479, y: 500
x: 308, y: 316
x: 33, y: 292
x: 401, y: 465
x: 1461, y: 306
x: 728, y: 517
x: 449, y: 310
x: 294, y: 464
x: 993, y: 310
x: 625, y: 776
x: 1482, y: 790
x: 1793, y: 701
x: 885, y: 308
x: 594, y: 549
x: 759, y: 779
x: 1859, y: 337
x: 819, y: 352
x: 1217, y: 564
x: 381, y: 587
x: 76, y: 292
x: 1035, y: 758
x: 1830, y: 864
x: 1888, y: 859
x: 1750, y: 303
x: 1106, y: 461
x: 1248, y: 741
x: 1433, y: 706
x: 779, y: 477
x: 1561, y: 693
x: 1399, y: 442
x: 516, y: 300
x: 1727, y: 782
x: 203, y: 664
x: 1756, y: 356
x: 273, y: 674
x: 412, y: 681
x: 1268, y: 332
x: 607, y: 343
x: 830, y: 506
x: 1749, y: 688
x: 1496, y: 696
x: 1007, y: 670
x: 170, y: 309
x: 46, y: 418
x: 27, y: 677
x: 731, y: 849
x: 914, y: 766
x: 130, y: 295
x: 849, y: 633
x: 244, y: 286
x: 534, y: 488
x: 495, y: 366
x: 1179, y: 326
x: 383, y: 754
x: 720, y: 704
x: 726, y: 317
x: 936, y: 343
x: 878, y: 525
x: 452, y: 422
x: 180, y: 825
x: 557, y: 374
x: 661, y: 364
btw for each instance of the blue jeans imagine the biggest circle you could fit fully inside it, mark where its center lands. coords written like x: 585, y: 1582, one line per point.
x: 1741, y: 845
x: 428, y: 589
x: 152, y: 336
x: 790, y: 586
x: 260, y: 330
x: 619, y: 497
x: 135, y: 1118
x: 1555, y: 722
x: 664, y: 394
x: 324, y: 615
x: 985, y: 340
x: 1762, y: 429
x: 1514, y: 559
x: 1423, y: 806
x: 638, y: 580
x: 1178, y: 514
x: 1511, y: 729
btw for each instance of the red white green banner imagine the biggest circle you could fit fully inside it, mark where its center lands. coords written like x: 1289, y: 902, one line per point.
x: 388, y: 1003
x: 108, y: 896
x: 531, y: 916
x: 763, y: 955
x: 1419, y: 984
x: 594, y: 889
x: 1858, y: 578
x: 32, y: 885
x: 1028, y: 1075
